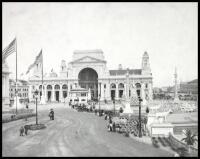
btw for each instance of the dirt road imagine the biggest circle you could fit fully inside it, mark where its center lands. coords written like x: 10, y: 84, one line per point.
x: 72, y: 133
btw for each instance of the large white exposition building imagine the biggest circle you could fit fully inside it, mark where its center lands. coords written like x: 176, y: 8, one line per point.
x: 88, y: 70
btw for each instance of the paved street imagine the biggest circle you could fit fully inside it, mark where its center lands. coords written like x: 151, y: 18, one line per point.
x: 72, y: 133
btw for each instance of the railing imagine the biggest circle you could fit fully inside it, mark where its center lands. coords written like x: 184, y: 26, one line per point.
x: 178, y: 143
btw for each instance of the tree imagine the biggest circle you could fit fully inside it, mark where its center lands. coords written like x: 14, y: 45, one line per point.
x: 190, y: 138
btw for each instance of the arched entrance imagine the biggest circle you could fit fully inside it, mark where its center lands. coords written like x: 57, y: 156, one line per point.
x: 57, y: 93
x: 88, y: 78
x: 112, y: 90
x: 49, y: 89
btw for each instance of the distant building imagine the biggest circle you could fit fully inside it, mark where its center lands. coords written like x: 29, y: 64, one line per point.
x: 5, y: 84
x: 186, y: 91
x: 22, y: 88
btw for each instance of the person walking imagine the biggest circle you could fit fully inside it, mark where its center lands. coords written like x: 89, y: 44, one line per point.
x: 110, y: 123
x: 95, y: 112
x: 113, y: 126
x: 21, y: 131
x: 52, y: 112
x: 26, y: 129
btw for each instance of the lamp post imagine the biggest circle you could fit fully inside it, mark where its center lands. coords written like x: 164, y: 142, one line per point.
x: 36, y: 96
x: 99, y: 104
x: 16, y: 93
x: 140, y: 131
x: 140, y: 100
x: 114, y: 104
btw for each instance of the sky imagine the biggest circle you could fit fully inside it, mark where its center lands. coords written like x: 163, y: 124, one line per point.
x: 124, y: 31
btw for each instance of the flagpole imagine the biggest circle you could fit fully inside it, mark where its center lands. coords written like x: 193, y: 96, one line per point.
x: 42, y: 76
x: 42, y: 70
x: 16, y: 76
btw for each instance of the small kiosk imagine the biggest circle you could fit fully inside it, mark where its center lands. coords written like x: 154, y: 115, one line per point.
x: 78, y: 96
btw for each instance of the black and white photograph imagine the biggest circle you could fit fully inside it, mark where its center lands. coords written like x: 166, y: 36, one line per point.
x: 99, y: 79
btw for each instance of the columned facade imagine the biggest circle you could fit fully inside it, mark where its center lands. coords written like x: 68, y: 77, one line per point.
x: 5, y: 85
x: 88, y: 70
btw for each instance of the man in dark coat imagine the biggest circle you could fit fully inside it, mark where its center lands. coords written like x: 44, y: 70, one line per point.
x: 21, y: 131
x: 26, y: 129
x: 95, y: 112
x: 52, y: 114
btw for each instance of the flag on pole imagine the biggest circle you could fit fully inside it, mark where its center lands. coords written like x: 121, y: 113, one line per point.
x: 9, y: 49
x: 38, y: 60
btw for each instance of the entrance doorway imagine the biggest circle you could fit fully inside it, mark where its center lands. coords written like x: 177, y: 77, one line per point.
x: 120, y: 93
x: 57, y: 96
x: 88, y: 78
x: 64, y: 94
x: 112, y: 94
x: 49, y: 95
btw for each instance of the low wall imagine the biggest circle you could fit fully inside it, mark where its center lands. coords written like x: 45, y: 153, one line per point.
x: 178, y: 128
x: 178, y: 143
x: 161, y: 129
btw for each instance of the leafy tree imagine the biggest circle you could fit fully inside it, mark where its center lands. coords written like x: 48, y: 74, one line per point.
x: 190, y: 138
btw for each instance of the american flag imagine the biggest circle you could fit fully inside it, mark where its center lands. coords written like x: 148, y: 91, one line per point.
x: 9, y: 49
x: 38, y: 60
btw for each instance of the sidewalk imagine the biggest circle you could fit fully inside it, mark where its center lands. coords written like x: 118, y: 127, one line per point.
x: 143, y: 139
x: 147, y: 140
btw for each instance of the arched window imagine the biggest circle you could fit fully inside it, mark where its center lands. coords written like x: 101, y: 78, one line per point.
x: 49, y: 87
x: 121, y: 85
x: 138, y: 85
x: 146, y: 85
x: 113, y: 86
x: 40, y: 87
x: 64, y: 86
x: 57, y: 86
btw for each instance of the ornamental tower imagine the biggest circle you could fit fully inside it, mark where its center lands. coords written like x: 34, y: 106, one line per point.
x: 145, y: 64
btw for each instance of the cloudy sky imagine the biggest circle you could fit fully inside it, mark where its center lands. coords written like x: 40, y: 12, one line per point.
x: 167, y: 31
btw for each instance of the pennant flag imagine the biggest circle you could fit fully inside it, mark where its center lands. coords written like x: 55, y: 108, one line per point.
x: 38, y: 60
x: 9, y: 49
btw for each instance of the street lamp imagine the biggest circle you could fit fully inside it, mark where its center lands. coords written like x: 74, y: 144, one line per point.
x: 140, y: 100
x: 36, y: 96
x: 99, y: 104
x: 114, y: 104
x: 16, y: 93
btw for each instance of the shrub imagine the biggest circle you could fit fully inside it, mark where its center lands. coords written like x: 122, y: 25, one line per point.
x: 126, y: 134
x: 16, y: 117
x: 36, y: 127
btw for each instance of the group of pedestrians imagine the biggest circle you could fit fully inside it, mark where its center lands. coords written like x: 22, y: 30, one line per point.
x: 51, y: 114
x: 111, y: 124
x: 24, y: 130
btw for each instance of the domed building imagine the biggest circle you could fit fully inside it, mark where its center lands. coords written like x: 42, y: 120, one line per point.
x: 88, y: 70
